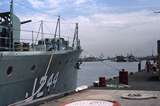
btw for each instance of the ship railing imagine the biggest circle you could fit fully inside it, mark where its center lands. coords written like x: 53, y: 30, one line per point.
x: 32, y: 42
x: 19, y: 44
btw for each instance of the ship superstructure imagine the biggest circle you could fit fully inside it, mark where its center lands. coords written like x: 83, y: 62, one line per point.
x: 37, y: 69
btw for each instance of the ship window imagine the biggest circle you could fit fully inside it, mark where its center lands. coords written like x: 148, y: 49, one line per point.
x: 9, y: 71
x: 33, y: 67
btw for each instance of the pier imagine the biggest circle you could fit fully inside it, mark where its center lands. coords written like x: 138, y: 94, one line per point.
x: 144, y: 83
x: 111, y: 95
x: 142, y: 90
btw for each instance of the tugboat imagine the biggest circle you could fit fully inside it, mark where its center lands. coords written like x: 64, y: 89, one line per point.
x: 33, y: 70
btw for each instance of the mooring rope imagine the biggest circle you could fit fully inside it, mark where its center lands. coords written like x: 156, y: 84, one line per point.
x: 49, y: 63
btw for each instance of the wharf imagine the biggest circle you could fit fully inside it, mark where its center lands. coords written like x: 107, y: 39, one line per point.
x: 111, y: 95
x: 139, y: 81
x: 141, y: 85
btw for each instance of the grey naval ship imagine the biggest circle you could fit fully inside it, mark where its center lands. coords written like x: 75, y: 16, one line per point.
x: 29, y: 71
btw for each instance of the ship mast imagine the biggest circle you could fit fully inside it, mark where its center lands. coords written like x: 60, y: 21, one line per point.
x: 42, y: 35
x: 58, y: 27
x: 76, y: 38
x: 11, y: 43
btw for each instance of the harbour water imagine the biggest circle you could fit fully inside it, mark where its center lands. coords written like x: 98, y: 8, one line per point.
x: 91, y: 71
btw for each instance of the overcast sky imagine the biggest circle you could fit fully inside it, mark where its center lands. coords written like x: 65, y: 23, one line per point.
x: 111, y: 27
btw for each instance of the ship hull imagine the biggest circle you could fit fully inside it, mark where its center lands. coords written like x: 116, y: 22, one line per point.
x: 27, y: 76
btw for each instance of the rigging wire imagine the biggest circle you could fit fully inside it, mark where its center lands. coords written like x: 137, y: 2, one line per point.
x: 38, y: 32
x: 47, y: 28
x: 62, y: 22
x: 23, y: 6
x: 45, y: 25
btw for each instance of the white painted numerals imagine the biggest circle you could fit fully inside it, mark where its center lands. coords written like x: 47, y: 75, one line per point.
x: 50, y: 82
x: 55, y: 79
x: 42, y: 84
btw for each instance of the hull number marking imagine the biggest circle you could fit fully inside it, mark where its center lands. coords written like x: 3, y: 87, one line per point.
x: 50, y: 81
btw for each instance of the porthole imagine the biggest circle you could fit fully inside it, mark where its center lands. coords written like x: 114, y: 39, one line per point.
x: 9, y: 71
x: 33, y: 67
x: 60, y: 62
